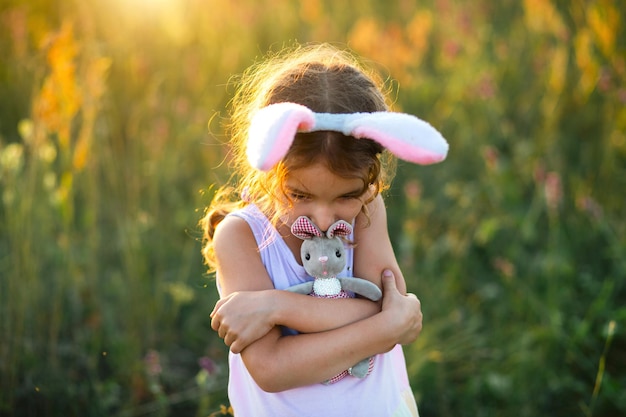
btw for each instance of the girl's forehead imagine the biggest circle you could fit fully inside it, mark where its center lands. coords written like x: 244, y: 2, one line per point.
x: 319, y: 176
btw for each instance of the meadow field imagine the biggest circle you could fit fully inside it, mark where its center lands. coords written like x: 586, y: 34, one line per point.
x: 112, y: 142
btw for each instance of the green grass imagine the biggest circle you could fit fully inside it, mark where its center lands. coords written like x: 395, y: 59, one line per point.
x: 515, y: 245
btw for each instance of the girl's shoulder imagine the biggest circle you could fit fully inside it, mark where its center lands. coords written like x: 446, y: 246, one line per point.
x: 374, y: 222
x: 250, y: 213
x: 239, y: 263
x: 233, y: 234
x: 253, y: 221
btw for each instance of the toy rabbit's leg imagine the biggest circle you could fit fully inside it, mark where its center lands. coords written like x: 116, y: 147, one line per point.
x: 336, y: 378
x: 363, y: 368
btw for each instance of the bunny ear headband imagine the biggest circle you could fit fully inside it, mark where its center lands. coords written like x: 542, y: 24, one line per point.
x: 305, y: 229
x: 273, y: 129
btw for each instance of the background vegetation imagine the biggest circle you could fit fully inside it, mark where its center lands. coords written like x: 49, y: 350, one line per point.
x: 516, y: 245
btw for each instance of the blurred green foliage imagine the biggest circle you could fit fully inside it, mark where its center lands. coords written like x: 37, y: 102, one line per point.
x: 516, y: 245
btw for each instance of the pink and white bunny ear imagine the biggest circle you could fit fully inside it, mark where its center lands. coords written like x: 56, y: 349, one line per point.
x: 273, y: 129
x: 305, y: 229
x: 340, y: 228
x: 404, y: 135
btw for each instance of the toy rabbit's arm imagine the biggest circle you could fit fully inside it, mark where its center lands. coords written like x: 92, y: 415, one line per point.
x: 361, y: 287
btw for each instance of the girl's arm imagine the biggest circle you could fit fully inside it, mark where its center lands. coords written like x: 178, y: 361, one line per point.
x: 250, y: 307
x: 246, y: 315
x: 374, y: 252
x: 281, y: 362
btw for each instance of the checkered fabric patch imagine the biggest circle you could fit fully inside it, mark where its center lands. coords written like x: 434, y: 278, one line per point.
x: 304, y: 228
x: 340, y: 228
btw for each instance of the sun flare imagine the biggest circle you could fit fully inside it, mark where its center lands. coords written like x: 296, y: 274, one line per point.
x: 148, y: 8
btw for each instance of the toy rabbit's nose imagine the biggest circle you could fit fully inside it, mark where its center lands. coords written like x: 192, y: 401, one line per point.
x: 323, y: 259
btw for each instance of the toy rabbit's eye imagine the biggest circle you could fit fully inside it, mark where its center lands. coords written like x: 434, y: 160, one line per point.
x: 338, y: 254
x: 307, y: 256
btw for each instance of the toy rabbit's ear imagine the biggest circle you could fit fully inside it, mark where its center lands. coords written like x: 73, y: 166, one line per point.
x: 304, y: 228
x: 272, y: 131
x: 340, y: 228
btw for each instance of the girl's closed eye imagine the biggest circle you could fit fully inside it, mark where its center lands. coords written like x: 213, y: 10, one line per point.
x: 351, y: 196
x: 297, y: 196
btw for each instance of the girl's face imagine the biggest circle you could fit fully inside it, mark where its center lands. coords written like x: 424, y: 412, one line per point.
x: 323, y: 196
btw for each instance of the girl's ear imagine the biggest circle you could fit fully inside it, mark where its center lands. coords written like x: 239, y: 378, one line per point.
x: 305, y: 229
x: 340, y: 228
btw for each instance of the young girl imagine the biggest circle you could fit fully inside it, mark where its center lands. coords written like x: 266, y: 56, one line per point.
x: 309, y: 133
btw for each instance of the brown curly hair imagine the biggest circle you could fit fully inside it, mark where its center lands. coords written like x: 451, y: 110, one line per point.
x: 326, y: 80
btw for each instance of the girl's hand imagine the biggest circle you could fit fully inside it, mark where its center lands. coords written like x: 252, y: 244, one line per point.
x: 241, y: 318
x: 404, y: 311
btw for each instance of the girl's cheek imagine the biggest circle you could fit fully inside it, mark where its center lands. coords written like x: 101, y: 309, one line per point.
x: 352, y: 209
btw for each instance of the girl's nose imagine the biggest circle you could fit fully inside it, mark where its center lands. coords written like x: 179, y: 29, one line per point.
x: 323, y: 219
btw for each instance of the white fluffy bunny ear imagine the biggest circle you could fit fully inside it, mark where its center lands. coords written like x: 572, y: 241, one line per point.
x: 273, y: 129
x: 404, y: 135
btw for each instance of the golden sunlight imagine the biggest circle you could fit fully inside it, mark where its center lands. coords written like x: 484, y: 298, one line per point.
x: 148, y: 9
x: 169, y: 15
x: 149, y: 5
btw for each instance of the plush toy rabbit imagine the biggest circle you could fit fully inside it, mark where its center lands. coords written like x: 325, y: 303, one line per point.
x: 323, y: 257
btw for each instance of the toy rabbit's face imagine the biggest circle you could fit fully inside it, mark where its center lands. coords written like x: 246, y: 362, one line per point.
x: 323, y: 254
x: 323, y: 257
